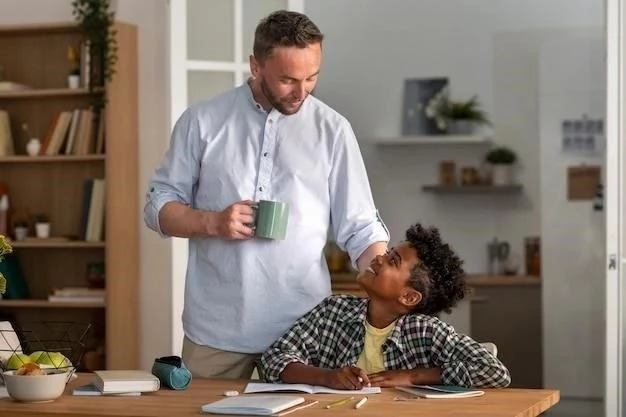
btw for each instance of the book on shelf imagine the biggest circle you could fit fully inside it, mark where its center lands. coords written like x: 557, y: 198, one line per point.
x: 441, y: 391
x: 253, y: 387
x: 117, y: 381
x: 6, y: 138
x: 78, y: 295
x: 256, y: 405
x: 92, y: 214
x: 74, y: 132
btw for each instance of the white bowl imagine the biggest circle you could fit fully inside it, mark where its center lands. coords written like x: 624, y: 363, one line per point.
x: 35, y: 388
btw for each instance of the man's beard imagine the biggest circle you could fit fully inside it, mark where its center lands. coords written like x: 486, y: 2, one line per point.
x: 275, y: 101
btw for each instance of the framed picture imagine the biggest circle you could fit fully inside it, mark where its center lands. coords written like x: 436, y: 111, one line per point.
x: 420, y: 96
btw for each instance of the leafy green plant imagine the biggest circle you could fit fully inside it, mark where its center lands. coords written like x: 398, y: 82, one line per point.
x: 464, y: 110
x: 5, y: 248
x: 96, y: 20
x: 501, y: 155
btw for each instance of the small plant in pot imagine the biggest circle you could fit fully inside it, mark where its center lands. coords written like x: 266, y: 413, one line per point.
x: 42, y: 226
x: 73, y: 78
x: 461, y: 117
x: 501, y: 159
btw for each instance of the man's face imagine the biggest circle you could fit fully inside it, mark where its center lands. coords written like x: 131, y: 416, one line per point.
x: 388, y: 275
x: 288, y: 76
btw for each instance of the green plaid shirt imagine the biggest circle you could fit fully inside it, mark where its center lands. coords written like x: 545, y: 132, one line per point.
x: 332, y: 335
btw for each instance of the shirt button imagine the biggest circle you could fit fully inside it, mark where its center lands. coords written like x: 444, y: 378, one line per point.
x: 258, y: 106
x: 260, y: 188
x: 265, y: 154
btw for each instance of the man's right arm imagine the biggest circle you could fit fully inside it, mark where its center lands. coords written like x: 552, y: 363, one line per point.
x: 177, y: 219
x: 169, y: 201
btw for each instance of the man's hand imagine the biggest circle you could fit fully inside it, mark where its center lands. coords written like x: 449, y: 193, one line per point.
x: 233, y: 222
x: 346, y: 377
x: 404, y: 377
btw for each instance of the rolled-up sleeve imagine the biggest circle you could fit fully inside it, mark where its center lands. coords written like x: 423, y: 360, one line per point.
x: 301, y: 343
x: 356, y: 222
x: 465, y: 362
x: 176, y: 178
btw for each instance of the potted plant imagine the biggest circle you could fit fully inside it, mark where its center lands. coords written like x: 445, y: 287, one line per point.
x: 42, y: 226
x: 20, y: 229
x: 96, y: 20
x: 459, y: 117
x: 73, y: 78
x: 501, y: 159
x: 5, y: 248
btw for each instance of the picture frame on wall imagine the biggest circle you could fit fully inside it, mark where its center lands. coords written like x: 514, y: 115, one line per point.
x: 419, y: 93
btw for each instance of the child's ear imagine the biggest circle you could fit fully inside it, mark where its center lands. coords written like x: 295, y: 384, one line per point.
x: 410, y: 297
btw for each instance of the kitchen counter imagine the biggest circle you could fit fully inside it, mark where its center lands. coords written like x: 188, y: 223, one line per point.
x: 345, y: 282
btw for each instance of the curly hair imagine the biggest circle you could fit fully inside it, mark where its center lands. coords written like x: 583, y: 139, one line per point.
x: 438, y: 275
x: 284, y: 28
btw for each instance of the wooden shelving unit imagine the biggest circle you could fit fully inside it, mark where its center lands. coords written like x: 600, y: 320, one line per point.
x: 477, y: 139
x: 48, y: 304
x: 35, y: 55
x: 473, y: 189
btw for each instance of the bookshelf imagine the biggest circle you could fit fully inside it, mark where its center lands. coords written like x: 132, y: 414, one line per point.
x: 35, y: 55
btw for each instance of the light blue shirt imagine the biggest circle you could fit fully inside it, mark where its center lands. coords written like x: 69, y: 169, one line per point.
x: 242, y: 295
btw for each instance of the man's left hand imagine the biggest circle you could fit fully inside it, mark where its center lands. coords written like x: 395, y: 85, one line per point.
x: 395, y: 378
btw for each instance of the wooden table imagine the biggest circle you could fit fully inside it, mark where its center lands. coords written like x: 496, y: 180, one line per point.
x: 497, y: 402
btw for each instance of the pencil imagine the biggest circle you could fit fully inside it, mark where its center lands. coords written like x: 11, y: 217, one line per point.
x: 284, y: 413
x: 360, y: 403
x: 339, y: 402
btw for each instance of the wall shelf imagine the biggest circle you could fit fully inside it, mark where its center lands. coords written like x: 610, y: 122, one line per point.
x: 432, y: 140
x: 25, y: 159
x: 473, y: 189
x: 49, y: 304
x: 61, y: 244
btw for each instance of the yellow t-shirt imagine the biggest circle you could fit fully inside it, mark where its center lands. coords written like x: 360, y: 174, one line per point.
x: 371, y: 359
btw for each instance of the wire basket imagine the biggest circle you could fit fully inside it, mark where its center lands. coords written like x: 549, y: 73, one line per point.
x: 54, y: 345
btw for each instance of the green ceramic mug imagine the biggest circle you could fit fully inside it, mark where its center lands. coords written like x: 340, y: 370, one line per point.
x: 270, y: 219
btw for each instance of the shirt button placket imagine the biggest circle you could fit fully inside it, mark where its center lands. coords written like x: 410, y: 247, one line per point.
x: 265, y: 165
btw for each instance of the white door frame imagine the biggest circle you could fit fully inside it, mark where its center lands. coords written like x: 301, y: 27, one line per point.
x: 615, y: 296
x: 178, y: 69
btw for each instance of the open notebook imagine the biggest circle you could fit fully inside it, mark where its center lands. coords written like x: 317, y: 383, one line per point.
x: 441, y: 391
x: 257, y: 405
x: 253, y: 387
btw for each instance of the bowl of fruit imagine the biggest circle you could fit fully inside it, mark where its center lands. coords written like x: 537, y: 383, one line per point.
x: 39, y: 377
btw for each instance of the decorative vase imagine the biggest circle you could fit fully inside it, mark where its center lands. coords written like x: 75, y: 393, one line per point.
x: 502, y: 174
x: 73, y: 81
x: 33, y: 147
x: 461, y: 126
x: 42, y: 230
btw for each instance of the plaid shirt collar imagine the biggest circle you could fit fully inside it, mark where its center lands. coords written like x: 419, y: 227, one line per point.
x: 358, y: 317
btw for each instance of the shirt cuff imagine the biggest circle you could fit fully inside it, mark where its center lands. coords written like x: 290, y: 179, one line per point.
x: 155, y: 202
x: 375, y: 232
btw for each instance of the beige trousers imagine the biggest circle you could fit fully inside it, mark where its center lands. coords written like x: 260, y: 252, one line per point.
x: 207, y: 362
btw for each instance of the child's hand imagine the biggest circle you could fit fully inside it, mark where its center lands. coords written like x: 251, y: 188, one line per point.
x: 347, y: 377
x: 402, y: 377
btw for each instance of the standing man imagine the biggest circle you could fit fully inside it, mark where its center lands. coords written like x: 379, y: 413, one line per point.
x: 267, y: 139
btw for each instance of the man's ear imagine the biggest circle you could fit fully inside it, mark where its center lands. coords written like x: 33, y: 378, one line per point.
x: 254, y: 66
x: 410, y: 297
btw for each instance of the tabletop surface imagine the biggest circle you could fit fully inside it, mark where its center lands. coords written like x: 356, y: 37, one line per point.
x: 495, y: 402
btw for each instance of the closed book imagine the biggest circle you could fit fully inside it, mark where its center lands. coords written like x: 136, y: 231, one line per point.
x: 116, y: 381
x: 255, y: 405
x: 441, y: 391
x: 91, y: 390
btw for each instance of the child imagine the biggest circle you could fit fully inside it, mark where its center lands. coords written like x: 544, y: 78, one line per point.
x: 392, y: 338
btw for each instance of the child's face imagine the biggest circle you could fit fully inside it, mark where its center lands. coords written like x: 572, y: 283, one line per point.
x: 387, y: 277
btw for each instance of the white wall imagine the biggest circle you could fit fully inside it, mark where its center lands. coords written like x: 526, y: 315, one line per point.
x: 150, y: 17
x: 572, y: 80
x: 372, y: 46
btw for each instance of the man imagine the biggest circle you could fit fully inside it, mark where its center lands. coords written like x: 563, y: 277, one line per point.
x: 392, y: 338
x: 268, y: 139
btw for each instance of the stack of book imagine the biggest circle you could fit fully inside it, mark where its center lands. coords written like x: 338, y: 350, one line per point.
x: 78, y: 295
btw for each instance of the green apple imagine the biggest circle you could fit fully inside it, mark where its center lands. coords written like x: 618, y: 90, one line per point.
x: 55, y: 359
x: 16, y: 360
